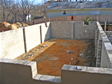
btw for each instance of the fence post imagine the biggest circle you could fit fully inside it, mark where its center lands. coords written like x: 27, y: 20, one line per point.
x: 105, y: 26
x: 49, y: 19
x: 97, y: 19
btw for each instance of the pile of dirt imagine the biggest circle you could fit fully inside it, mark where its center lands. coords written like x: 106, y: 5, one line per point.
x: 2, y: 25
x: 19, y: 24
x: 24, y: 24
x: 13, y: 26
x: 5, y: 26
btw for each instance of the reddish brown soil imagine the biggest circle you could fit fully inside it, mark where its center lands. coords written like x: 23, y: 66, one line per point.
x: 51, y: 58
x: 58, y: 49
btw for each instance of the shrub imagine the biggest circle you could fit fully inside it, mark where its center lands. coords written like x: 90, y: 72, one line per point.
x: 86, y: 20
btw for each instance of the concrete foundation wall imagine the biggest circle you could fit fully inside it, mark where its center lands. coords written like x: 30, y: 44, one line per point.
x: 85, y: 78
x: 15, y: 73
x: 106, y: 62
x: 85, y: 75
x: 22, y: 72
x: 84, y: 31
x: 109, y: 35
x: 11, y: 43
x: 73, y: 30
x: 32, y: 35
x: 19, y: 41
x: 61, y: 30
x: 46, y: 33
x: 103, y: 49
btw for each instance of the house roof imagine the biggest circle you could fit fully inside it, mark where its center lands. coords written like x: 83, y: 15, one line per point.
x: 78, y: 5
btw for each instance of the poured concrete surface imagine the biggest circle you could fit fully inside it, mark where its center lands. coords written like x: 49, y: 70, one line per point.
x: 14, y: 73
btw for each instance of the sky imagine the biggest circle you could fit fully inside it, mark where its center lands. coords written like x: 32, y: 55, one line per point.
x: 41, y: 1
x: 36, y: 1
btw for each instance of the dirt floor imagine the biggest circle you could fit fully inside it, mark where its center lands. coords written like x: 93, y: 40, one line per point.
x: 53, y: 54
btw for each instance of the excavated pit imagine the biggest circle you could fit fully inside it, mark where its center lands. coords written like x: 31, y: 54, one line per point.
x: 54, y: 53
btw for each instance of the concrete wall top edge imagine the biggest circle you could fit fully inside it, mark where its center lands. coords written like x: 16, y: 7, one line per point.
x: 87, y: 69
x: 81, y: 22
x: 15, y: 61
x: 72, y: 21
x: 38, y: 24
x: 48, y: 78
x: 25, y: 27
x: 106, y: 42
x: 10, y: 31
x: 108, y: 31
x: 102, y: 33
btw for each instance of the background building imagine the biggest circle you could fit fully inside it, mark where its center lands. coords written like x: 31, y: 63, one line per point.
x: 79, y: 8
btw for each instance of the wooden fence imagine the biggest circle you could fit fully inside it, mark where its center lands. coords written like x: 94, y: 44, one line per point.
x: 100, y: 18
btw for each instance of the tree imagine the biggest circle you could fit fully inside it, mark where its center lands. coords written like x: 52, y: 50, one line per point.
x: 26, y: 6
x: 14, y: 9
x: 11, y: 10
x: 3, y: 6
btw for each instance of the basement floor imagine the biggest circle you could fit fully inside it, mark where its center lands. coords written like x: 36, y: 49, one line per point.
x: 54, y: 53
